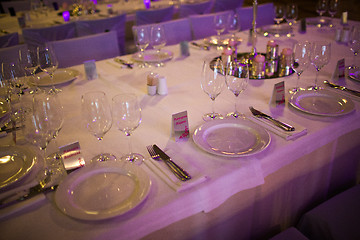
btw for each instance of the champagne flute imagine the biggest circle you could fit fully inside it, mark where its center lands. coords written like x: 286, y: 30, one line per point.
x: 97, y: 118
x: 158, y: 41
x: 212, y: 83
x: 220, y: 21
x: 301, y: 62
x: 233, y: 24
x: 142, y: 41
x: 237, y: 79
x: 279, y: 14
x: 333, y: 7
x: 48, y: 63
x: 320, y: 56
x: 30, y: 63
x: 127, y: 115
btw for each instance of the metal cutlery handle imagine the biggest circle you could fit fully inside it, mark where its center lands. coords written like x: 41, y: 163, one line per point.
x: 179, y: 171
x: 280, y: 124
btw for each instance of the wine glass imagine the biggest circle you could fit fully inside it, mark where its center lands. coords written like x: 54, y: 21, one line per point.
x: 279, y: 14
x: 220, y: 21
x: 291, y: 13
x: 237, y: 79
x: 48, y: 63
x: 320, y: 56
x: 354, y: 44
x: 98, y: 119
x: 158, y: 41
x: 12, y: 74
x: 301, y: 62
x: 212, y: 83
x: 233, y: 24
x: 29, y: 61
x: 321, y: 7
x: 142, y: 41
x: 127, y: 116
x: 333, y: 7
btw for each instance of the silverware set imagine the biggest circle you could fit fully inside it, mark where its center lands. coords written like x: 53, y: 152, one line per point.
x: 342, y: 88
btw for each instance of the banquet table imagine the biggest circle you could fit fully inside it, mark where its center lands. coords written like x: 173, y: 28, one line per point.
x: 249, y: 197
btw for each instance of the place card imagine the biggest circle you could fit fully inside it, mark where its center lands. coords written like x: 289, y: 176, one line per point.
x: 90, y: 70
x: 180, y: 126
x: 184, y: 49
x: 71, y: 155
x: 339, y: 72
x: 278, y: 96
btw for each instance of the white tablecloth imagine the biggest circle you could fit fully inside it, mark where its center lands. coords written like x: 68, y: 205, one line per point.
x: 226, y: 177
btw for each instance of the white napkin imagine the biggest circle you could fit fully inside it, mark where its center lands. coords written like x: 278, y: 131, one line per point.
x: 287, y: 135
x: 162, y: 170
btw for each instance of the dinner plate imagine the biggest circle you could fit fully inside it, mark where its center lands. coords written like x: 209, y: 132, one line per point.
x: 15, y: 163
x: 354, y: 74
x: 281, y: 29
x: 102, y: 190
x: 4, y: 108
x: 321, y: 102
x: 61, y: 76
x: 223, y: 41
x: 151, y: 56
x: 231, y: 137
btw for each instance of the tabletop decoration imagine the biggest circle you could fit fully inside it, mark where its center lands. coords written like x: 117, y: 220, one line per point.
x: 180, y: 126
x: 71, y: 155
x: 286, y: 62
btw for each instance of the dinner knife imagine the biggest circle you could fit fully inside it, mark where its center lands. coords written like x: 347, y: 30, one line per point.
x: 282, y: 125
x: 345, y: 89
x: 201, y: 46
x: 171, y: 164
x: 127, y: 64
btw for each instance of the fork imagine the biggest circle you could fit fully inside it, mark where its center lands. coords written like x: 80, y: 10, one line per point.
x: 156, y: 157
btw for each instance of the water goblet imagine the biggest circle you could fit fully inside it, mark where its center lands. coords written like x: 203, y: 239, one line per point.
x: 291, y: 13
x: 354, y: 44
x: 28, y: 59
x: 301, y: 62
x: 333, y: 7
x: 158, y: 41
x: 127, y: 116
x: 12, y: 74
x: 321, y: 7
x: 97, y: 118
x: 220, y: 21
x: 142, y: 41
x: 320, y: 56
x: 279, y: 14
x: 237, y: 79
x: 48, y: 63
x: 212, y: 83
x: 233, y: 24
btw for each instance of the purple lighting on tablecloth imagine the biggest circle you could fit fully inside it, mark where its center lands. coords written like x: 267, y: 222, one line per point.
x: 66, y: 16
x: 147, y: 4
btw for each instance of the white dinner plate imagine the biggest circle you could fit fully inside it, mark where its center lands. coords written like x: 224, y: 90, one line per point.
x: 102, y: 190
x: 151, y: 56
x: 281, y: 29
x: 322, y: 102
x: 15, y: 163
x: 224, y: 41
x: 354, y: 74
x: 61, y: 76
x: 231, y: 137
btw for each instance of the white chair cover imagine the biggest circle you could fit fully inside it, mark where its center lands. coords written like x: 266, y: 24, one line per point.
x: 224, y: 5
x: 75, y: 51
x: 203, y: 25
x: 176, y: 31
x: 143, y: 17
x: 17, y: 5
x: 117, y: 23
x: 11, y: 54
x: 338, y: 218
x: 265, y: 16
x: 39, y: 36
x: 9, y: 40
x: 186, y: 10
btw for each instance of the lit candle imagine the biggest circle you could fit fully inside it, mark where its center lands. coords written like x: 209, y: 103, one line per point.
x: 147, y: 4
x: 259, y: 58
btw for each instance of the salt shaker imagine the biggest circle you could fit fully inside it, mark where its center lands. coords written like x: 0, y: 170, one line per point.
x: 152, y: 81
x: 162, y: 86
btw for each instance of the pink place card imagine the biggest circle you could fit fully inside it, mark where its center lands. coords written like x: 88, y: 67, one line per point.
x: 278, y: 96
x: 71, y: 155
x: 339, y: 72
x: 180, y: 126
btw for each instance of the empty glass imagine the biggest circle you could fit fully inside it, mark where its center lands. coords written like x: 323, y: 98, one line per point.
x: 220, y: 22
x: 321, y: 7
x: 29, y: 61
x: 212, y: 83
x: 158, y: 41
x: 354, y: 44
x: 233, y: 24
x: 320, y: 56
x: 279, y: 14
x: 237, y: 79
x: 291, y: 13
x: 48, y: 63
x: 333, y: 7
x: 127, y: 117
x: 97, y: 116
x: 301, y: 62
x: 142, y: 41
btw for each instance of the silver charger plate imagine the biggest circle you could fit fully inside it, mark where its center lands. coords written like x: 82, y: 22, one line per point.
x: 102, y: 190
x: 231, y: 137
x: 321, y: 102
x: 151, y: 56
x: 61, y: 76
x: 15, y: 163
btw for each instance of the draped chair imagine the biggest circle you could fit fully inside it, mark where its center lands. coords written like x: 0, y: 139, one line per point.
x: 9, y: 40
x: 143, y: 17
x: 75, y: 51
x: 176, y: 31
x: 265, y: 16
x: 203, y: 25
x: 39, y: 36
x: 117, y: 24
x: 11, y: 54
x: 186, y: 10
x: 224, y: 5
x: 17, y: 5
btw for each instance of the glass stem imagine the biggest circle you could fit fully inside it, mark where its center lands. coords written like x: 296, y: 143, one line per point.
x: 129, y: 143
x: 213, y: 107
x: 316, y: 78
x: 297, y: 82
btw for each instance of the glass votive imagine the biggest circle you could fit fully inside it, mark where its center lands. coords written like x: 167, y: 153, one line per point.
x: 227, y: 56
x: 286, y: 61
x: 66, y: 16
x: 147, y: 4
x: 272, y: 49
x: 258, y: 67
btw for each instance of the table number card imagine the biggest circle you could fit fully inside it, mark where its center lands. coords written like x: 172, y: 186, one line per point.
x: 71, y: 155
x: 339, y: 73
x: 180, y: 126
x: 278, y: 96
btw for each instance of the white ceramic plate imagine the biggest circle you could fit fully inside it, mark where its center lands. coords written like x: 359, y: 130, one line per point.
x: 151, y: 56
x: 321, y: 102
x: 231, y: 137
x: 224, y: 41
x: 15, y: 163
x: 102, y: 190
x: 281, y: 29
x: 61, y: 76
x: 354, y: 74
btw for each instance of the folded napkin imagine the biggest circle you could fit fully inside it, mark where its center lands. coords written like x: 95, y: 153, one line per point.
x: 287, y: 135
x: 162, y: 170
